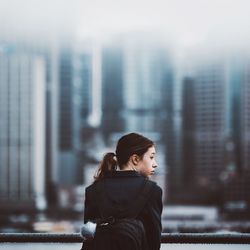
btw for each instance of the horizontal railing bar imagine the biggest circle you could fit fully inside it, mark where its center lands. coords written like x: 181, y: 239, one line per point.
x: 40, y: 237
x: 206, y: 238
x: 203, y: 238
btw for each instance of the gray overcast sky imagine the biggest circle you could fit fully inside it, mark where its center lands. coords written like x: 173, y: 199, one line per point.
x: 188, y: 21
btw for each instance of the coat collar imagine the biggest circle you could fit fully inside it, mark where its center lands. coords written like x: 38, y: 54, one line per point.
x: 125, y: 173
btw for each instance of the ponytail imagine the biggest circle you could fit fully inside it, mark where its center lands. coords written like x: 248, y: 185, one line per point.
x: 107, y: 166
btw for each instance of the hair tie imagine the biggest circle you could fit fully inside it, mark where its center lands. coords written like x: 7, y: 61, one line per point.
x: 114, y: 157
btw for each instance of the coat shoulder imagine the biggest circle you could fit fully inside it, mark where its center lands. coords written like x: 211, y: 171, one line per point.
x: 156, y: 187
x: 90, y: 189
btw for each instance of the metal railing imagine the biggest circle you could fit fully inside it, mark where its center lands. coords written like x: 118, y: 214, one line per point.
x: 166, y: 238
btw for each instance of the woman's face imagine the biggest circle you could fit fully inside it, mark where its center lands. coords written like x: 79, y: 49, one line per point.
x: 146, y: 166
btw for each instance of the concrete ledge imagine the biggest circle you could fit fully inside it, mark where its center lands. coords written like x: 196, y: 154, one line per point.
x: 209, y: 238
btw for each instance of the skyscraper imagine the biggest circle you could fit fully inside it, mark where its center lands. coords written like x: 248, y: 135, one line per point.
x: 204, y: 119
x: 145, y: 66
x: 82, y: 96
x: 209, y: 120
x: 112, y: 89
x: 67, y: 157
x: 235, y: 177
x: 22, y: 129
x: 240, y: 122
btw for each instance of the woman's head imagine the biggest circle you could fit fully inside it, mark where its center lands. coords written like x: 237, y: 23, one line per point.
x: 132, y: 150
x: 131, y: 144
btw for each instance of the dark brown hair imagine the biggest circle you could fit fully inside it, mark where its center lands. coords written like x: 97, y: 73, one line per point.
x: 127, y: 145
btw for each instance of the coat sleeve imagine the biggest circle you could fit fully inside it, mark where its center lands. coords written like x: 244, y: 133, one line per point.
x: 90, y: 206
x: 152, y: 219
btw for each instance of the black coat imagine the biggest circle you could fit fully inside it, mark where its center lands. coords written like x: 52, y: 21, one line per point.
x: 122, y: 187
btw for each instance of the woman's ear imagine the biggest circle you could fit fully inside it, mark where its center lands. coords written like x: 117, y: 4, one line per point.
x: 135, y: 159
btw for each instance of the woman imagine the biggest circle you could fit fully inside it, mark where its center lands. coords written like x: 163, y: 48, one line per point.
x: 118, y: 184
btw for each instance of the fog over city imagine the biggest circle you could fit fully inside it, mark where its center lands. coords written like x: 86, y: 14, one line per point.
x: 187, y: 23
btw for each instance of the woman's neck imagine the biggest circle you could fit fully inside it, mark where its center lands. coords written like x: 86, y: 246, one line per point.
x: 127, y: 168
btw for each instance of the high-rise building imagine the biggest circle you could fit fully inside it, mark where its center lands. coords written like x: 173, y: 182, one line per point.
x: 82, y: 96
x: 52, y: 110
x: 209, y: 121
x: 146, y: 69
x: 22, y: 129
x: 235, y: 177
x: 240, y: 82
x: 203, y: 136
x: 67, y: 157
x: 112, y: 90
x: 74, y: 100
x: 173, y: 133
x: 136, y: 73
x: 188, y: 132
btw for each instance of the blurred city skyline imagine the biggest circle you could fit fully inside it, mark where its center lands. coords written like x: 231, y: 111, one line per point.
x: 185, y: 105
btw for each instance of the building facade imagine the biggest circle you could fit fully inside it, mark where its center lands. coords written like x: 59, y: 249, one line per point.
x: 22, y: 129
x: 204, y: 113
